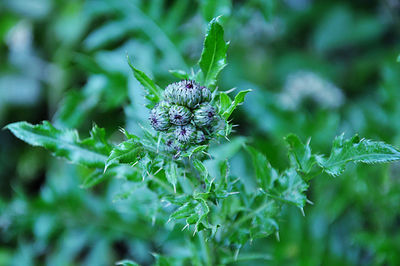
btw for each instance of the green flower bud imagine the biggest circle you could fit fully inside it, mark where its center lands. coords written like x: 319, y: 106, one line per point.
x: 159, y: 118
x: 179, y: 115
x: 200, y: 137
x: 185, y: 134
x: 170, y: 145
x: 185, y: 92
x: 205, y: 94
x: 164, y: 104
x: 204, y: 115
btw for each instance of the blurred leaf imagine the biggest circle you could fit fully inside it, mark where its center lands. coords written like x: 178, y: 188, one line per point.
x: 90, y: 152
x: 213, y: 56
x: 211, y: 8
x: 180, y: 74
x: 265, y: 174
x: 356, y: 150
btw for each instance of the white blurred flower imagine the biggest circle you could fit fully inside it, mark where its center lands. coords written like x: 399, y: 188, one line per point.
x: 303, y: 85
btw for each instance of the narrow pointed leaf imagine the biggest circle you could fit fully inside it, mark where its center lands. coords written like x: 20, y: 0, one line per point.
x: 265, y: 174
x: 213, y: 56
x: 239, y: 99
x: 300, y: 154
x: 154, y: 93
x: 90, y: 152
x: 128, y: 152
x: 356, y: 150
x: 172, y: 174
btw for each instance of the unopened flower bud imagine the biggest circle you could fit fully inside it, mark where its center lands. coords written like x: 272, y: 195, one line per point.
x: 200, y: 137
x: 159, y: 118
x: 185, y: 92
x: 205, y: 94
x: 185, y: 134
x: 204, y: 115
x: 164, y: 104
x: 179, y: 115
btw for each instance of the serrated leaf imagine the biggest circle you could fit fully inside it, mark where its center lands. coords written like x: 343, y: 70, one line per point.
x: 213, y: 56
x: 172, y: 174
x: 201, y: 168
x: 239, y: 98
x: 128, y: 152
x: 291, y: 188
x: 193, y: 150
x: 154, y: 93
x: 356, y: 150
x: 90, y: 152
x: 265, y: 174
x: 300, y: 154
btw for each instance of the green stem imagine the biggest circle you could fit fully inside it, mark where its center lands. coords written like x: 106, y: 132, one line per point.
x: 206, y: 249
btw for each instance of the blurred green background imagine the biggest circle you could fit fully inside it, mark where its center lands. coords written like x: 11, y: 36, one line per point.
x: 317, y: 69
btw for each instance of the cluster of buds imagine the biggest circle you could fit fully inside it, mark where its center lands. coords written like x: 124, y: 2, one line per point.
x: 185, y: 115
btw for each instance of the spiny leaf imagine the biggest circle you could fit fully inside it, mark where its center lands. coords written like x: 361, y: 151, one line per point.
x: 213, y: 56
x: 154, y: 93
x: 172, y: 174
x: 265, y: 174
x: 356, y: 150
x: 129, y: 152
x: 90, y: 152
x: 201, y: 168
x: 239, y: 98
x: 290, y: 188
x: 300, y: 154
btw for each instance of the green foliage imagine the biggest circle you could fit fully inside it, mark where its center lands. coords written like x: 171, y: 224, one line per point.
x: 213, y: 56
x: 356, y: 150
x: 90, y: 152
x: 219, y: 202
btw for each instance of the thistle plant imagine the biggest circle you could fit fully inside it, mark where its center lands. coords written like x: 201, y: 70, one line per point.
x: 177, y: 160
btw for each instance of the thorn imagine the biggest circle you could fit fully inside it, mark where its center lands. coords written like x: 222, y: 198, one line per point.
x: 174, y: 188
x: 277, y: 236
x: 105, y: 168
x: 302, y: 211
x: 231, y: 90
x: 169, y: 220
x: 185, y: 227
x: 234, y: 181
x: 309, y: 202
x: 153, y: 220
x: 236, y: 253
x: 158, y: 171
x: 233, y: 193
x: 135, y: 163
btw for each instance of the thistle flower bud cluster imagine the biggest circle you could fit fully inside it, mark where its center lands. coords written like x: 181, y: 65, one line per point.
x: 185, y: 115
